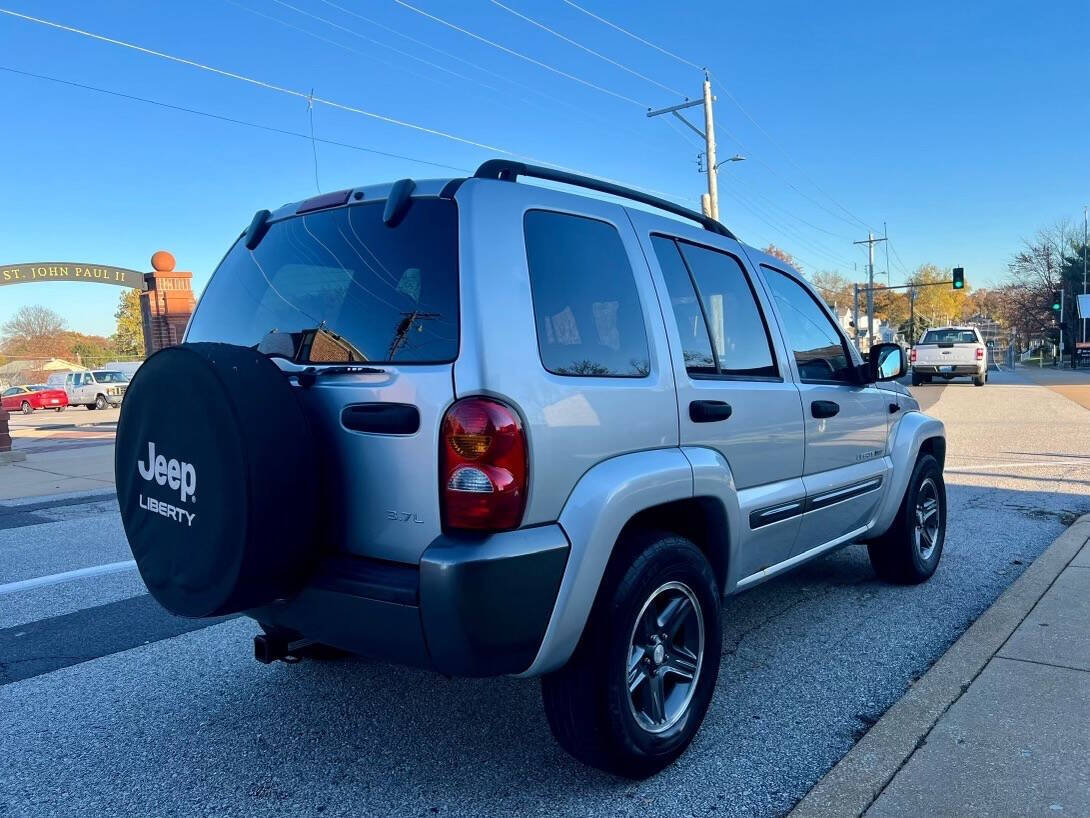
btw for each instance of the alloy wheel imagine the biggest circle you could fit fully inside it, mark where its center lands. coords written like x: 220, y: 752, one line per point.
x: 927, y: 519
x: 665, y: 654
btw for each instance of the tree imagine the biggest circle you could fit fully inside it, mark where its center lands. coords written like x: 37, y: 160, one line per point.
x: 1047, y: 263
x: 892, y: 306
x: 834, y: 288
x: 783, y: 255
x: 128, y: 340
x: 939, y: 304
x: 34, y: 330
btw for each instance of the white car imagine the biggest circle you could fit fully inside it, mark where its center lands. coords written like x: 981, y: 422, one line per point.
x: 950, y: 352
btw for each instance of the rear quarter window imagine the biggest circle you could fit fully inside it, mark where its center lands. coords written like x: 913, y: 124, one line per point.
x: 586, y: 308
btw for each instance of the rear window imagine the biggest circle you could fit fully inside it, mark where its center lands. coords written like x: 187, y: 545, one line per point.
x: 949, y: 336
x: 339, y: 286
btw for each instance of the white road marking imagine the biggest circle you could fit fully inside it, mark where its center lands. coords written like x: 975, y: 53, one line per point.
x: 67, y: 576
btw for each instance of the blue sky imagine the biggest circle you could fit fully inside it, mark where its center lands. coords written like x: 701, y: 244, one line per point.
x: 962, y: 125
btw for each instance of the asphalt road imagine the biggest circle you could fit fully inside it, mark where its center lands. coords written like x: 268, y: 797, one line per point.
x: 108, y: 705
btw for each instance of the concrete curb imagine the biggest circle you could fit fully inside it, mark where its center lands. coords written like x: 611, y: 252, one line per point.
x: 858, y: 779
x: 55, y: 426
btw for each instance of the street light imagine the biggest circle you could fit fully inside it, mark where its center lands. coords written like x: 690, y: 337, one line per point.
x: 736, y: 158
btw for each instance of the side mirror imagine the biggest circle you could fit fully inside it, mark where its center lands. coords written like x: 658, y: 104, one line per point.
x: 887, y: 362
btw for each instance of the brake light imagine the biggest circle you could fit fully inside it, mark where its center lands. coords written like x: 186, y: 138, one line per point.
x: 979, y: 354
x: 482, y: 466
x: 912, y: 355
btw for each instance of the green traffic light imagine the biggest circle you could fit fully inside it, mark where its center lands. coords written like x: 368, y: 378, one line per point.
x: 958, y: 285
x: 959, y: 278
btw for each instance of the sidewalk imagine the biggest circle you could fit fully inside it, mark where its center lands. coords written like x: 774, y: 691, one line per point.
x: 1000, y: 725
x: 58, y: 472
x: 1073, y: 384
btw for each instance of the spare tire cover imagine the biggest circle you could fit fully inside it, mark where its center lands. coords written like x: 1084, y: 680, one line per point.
x: 215, y: 471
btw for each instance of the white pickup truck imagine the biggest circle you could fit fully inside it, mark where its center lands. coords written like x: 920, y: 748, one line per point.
x: 950, y: 352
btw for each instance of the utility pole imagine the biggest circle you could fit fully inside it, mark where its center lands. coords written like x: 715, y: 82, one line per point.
x: 709, y: 139
x: 870, y: 241
x: 709, y: 201
x: 1084, y: 268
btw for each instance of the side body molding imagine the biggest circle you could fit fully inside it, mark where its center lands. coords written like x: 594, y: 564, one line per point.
x: 603, y: 500
x: 912, y: 429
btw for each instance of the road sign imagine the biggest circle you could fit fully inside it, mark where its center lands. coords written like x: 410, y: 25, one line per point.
x: 1084, y: 305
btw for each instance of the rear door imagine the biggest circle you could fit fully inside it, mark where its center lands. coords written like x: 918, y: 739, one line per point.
x: 372, y: 308
x: 846, y: 465
x: 734, y: 394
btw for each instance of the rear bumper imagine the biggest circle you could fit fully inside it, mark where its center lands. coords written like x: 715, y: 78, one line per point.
x: 955, y: 370
x: 475, y: 606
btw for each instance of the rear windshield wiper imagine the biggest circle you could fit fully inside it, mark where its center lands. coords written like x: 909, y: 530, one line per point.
x: 306, y: 378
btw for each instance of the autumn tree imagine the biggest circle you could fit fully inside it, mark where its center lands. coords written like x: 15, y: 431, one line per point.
x: 783, y: 256
x: 128, y: 340
x: 834, y: 288
x: 34, y: 330
x: 941, y: 303
x: 1048, y: 262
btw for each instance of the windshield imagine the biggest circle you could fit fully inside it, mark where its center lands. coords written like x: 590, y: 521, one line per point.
x: 38, y: 388
x: 340, y: 286
x: 949, y: 336
x: 109, y: 377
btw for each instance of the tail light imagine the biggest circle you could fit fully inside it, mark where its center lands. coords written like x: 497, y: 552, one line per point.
x: 979, y: 354
x: 912, y: 355
x: 482, y: 466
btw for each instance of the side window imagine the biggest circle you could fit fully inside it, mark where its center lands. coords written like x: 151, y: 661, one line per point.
x: 716, y: 311
x: 9, y: 392
x: 696, y: 345
x: 819, y: 348
x: 586, y: 308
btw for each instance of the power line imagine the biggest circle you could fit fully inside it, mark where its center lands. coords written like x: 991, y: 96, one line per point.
x: 380, y: 44
x: 259, y: 83
x: 787, y: 156
x: 336, y: 44
x: 583, y: 112
x: 634, y: 36
x: 518, y: 54
x: 231, y: 120
x: 579, y: 45
x: 729, y: 96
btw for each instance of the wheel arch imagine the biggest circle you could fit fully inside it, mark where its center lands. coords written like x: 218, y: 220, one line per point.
x: 914, y: 434
x: 606, y: 498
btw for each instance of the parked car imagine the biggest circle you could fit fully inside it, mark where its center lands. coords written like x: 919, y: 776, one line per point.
x: 98, y: 389
x: 948, y: 353
x: 489, y: 427
x: 26, y: 399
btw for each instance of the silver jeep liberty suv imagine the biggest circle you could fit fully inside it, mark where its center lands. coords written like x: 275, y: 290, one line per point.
x: 489, y: 427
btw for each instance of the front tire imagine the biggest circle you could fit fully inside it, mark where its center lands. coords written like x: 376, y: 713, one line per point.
x: 909, y: 552
x: 101, y: 402
x: 638, y: 686
x: 26, y: 408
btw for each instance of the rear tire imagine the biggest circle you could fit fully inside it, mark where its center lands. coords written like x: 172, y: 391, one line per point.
x: 26, y: 408
x: 980, y: 380
x: 655, y: 631
x: 909, y: 552
x: 89, y: 406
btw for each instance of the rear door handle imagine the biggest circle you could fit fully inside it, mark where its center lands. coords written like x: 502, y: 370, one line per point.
x: 824, y: 408
x: 709, y: 411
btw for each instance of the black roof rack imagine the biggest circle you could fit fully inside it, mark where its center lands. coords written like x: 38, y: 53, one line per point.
x: 506, y: 170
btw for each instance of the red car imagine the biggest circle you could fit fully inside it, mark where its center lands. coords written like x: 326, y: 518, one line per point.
x: 26, y: 399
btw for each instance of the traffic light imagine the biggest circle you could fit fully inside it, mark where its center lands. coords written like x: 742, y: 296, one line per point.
x: 959, y: 278
x: 1057, y: 305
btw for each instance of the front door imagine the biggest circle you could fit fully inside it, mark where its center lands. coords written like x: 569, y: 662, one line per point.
x: 734, y: 394
x: 846, y: 464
